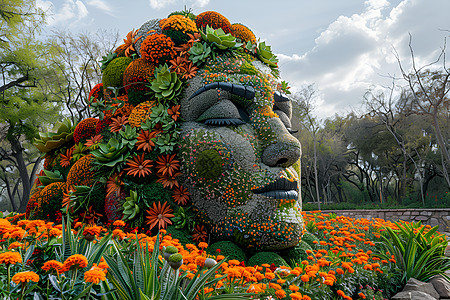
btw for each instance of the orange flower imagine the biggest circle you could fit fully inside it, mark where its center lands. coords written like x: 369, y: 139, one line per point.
x: 173, y: 112
x: 294, y: 288
x: 305, y: 278
x: 114, y: 184
x: 93, y: 142
x: 200, y: 233
x: 202, y: 245
x: 53, y: 265
x: 280, y: 294
x: 119, y: 223
x: 159, y: 214
x: 144, y: 140
x: 65, y: 159
x: 94, y: 275
x: 139, y: 166
x: 167, y: 165
x: 10, y: 258
x: 24, y: 277
x: 180, y: 195
x: 362, y: 295
x: 118, y: 123
x: 76, y: 261
x: 15, y: 245
x: 168, y: 181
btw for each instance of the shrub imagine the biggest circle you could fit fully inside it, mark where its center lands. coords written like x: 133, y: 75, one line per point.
x: 113, y: 74
x: 227, y: 249
x: 266, y: 258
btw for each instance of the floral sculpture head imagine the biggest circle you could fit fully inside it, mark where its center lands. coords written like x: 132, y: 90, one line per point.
x: 194, y: 126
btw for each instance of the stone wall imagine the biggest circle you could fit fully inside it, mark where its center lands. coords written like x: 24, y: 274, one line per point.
x: 433, y: 217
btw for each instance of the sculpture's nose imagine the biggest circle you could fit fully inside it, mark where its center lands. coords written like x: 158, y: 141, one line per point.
x: 286, y: 149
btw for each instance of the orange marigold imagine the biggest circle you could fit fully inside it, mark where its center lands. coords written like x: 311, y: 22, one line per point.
x: 10, y: 258
x: 24, y: 277
x: 214, y: 20
x: 53, y: 265
x: 76, y: 261
x: 140, y: 113
x: 158, y: 49
x: 243, y: 33
x: 80, y: 173
x: 179, y: 23
x: 94, y: 275
x: 84, y: 130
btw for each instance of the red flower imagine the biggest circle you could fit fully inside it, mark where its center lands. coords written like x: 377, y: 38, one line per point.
x: 200, y: 233
x: 180, y: 195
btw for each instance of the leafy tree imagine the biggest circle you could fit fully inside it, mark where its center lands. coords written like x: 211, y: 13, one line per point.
x: 24, y: 104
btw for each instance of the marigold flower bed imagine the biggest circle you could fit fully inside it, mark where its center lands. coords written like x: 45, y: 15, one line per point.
x: 344, y: 262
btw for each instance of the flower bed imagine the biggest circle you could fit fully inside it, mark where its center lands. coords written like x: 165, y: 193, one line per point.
x: 346, y: 261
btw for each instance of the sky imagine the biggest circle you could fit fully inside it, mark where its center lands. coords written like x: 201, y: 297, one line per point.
x: 343, y: 47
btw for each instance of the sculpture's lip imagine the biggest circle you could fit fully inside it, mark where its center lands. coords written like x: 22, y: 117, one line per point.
x: 281, y: 188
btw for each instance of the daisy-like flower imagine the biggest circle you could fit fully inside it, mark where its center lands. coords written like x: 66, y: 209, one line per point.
x: 167, y: 165
x: 138, y: 165
x: 130, y: 41
x: 76, y: 261
x: 53, y: 265
x: 199, y: 234
x: 95, y: 275
x: 159, y: 215
x: 144, y: 140
x: 118, y: 123
x: 10, y: 258
x: 180, y: 195
x: 173, y: 112
x: 65, y: 159
x: 24, y: 277
x: 179, y: 65
x: 169, y: 181
x: 189, y: 71
x: 93, y: 142
x: 90, y: 216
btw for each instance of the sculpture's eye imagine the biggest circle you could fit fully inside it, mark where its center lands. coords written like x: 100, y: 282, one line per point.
x: 224, y: 113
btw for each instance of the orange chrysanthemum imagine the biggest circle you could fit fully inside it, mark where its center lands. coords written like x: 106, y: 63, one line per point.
x: 76, y: 261
x: 138, y: 165
x: 179, y: 23
x: 158, y: 49
x: 94, y: 275
x: 180, y: 195
x: 167, y: 165
x: 24, y: 277
x: 10, y: 258
x: 53, y: 265
x: 243, y: 33
x: 214, y: 20
x: 159, y: 215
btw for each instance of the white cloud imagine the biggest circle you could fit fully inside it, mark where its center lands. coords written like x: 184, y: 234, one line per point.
x: 199, y: 3
x: 356, y: 52
x: 101, y: 5
x: 158, y: 4
x: 69, y: 11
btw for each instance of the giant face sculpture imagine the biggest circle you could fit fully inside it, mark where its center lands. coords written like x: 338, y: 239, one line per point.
x: 237, y: 154
x: 231, y: 149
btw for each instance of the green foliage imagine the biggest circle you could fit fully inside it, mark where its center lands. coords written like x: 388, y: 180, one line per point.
x: 129, y: 136
x: 50, y: 177
x: 49, y: 141
x: 219, y: 38
x: 113, y: 74
x: 130, y: 207
x: 297, y: 254
x: 199, y: 53
x: 418, y: 254
x: 227, y: 249
x: 247, y: 68
x: 110, y: 154
x: 265, y: 54
x: 166, y: 85
x: 209, y: 164
x: 266, y: 258
x: 107, y: 59
x: 184, y: 218
x: 309, y: 239
x: 182, y: 235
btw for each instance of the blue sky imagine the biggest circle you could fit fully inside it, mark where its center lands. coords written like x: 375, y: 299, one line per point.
x: 344, y: 47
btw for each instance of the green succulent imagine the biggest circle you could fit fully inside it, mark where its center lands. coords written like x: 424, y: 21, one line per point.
x: 111, y: 153
x: 130, y: 207
x: 79, y: 151
x: 107, y: 59
x: 50, y: 177
x: 167, y: 142
x: 183, y: 217
x: 219, y: 38
x: 129, y: 136
x: 199, y: 53
x: 265, y: 54
x: 49, y: 141
x: 166, y: 85
x: 285, y: 87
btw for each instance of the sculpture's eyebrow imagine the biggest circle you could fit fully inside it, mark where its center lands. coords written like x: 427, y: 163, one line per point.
x: 236, y: 89
x: 279, y: 97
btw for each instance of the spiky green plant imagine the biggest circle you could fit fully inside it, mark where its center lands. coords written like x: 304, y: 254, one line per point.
x: 166, y: 86
x: 130, y: 206
x: 199, y: 53
x: 110, y: 154
x: 219, y: 38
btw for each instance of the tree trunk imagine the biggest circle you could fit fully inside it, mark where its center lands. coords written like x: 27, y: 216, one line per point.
x: 23, y: 173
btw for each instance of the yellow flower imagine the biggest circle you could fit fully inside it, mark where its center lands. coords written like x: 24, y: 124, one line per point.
x: 10, y: 258
x: 24, y: 277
